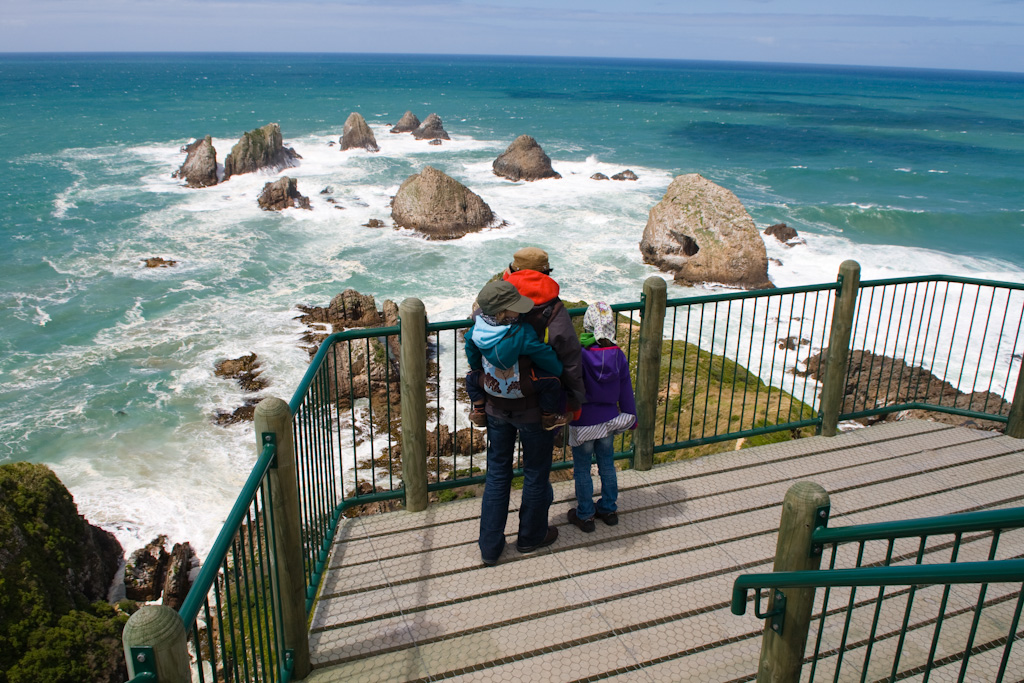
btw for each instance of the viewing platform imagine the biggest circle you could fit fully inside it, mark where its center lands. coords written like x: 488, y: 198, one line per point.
x: 406, y: 597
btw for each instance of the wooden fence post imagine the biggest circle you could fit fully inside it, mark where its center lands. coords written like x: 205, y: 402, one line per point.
x: 413, y: 316
x: 804, y: 508
x: 158, y: 631
x: 834, y: 382
x: 1015, y: 422
x: 273, y: 416
x: 652, y: 334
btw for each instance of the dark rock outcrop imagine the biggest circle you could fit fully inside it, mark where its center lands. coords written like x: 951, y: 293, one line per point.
x: 55, y: 572
x: 145, y: 570
x: 374, y: 223
x: 346, y: 310
x: 200, y: 167
x: 245, y: 369
x: 524, y: 160
x: 157, y: 262
x: 430, y: 129
x: 436, y: 142
x: 407, y: 124
x: 876, y: 381
x: 176, y: 577
x: 281, y: 194
x: 781, y: 232
x: 258, y: 149
x: 599, y: 176
x: 625, y: 175
x: 700, y: 232
x: 438, y: 206
x: 243, y: 413
x: 357, y: 134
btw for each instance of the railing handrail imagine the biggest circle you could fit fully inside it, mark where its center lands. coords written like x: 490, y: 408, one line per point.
x: 990, y: 571
x: 985, y: 520
x: 193, y: 602
x: 941, y: 278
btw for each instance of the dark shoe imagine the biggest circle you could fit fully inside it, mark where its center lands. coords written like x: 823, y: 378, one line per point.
x: 478, y: 418
x: 585, y: 525
x: 489, y: 563
x: 551, y: 421
x: 548, y: 540
x: 609, y: 518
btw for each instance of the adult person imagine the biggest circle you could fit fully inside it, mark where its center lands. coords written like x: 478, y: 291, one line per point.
x: 530, y: 273
x: 508, y: 418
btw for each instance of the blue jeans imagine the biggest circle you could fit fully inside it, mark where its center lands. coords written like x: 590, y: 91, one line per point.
x: 537, y: 492
x: 581, y: 456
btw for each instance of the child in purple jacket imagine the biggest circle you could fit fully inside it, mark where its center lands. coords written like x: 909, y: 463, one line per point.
x: 609, y: 410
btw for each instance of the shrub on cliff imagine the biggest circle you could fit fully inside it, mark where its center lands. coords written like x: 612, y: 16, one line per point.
x: 52, y: 562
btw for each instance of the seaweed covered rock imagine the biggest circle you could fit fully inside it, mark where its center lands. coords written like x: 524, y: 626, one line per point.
x: 357, y: 134
x: 431, y: 129
x: 53, y: 567
x: 407, y: 124
x: 200, y: 166
x: 144, y: 572
x: 258, y: 149
x: 282, y: 194
x: 438, y: 206
x: 700, y: 232
x: 524, y: 160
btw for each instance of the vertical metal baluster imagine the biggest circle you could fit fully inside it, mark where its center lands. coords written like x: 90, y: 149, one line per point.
x: 922, y: 332
x: 760, y: 363
x: 272, y: 605
x: 241, y: 617
x: 711, y: 367
x: 824, y: 613
x: 771, y: 371
x: 952, y: 340
x: 796, y: 361
x: 942, y: 613
x: 682, y: 374
x: 977, y: 611
x: 1011, y: 636
x: 906, y: 617
x: 321, y: 439
x: 721, y: 380
x: 995, y: 355
x: 735, y: 371
x: 785, y: 358
x: 875, y: 355
x: 750, y: 355
x: 967, y: 344
x: 895, y: 344
x: 250, y: 594
x: 668, y: 387
x: 696, y: 370
x: 853, y: 338
x: 369, y: 411
x: 874, y: 621
x: 849, y: 615
x: 981, y: 348
x: 938, y: 335
x: 210, y: 641
x: 388, y: 416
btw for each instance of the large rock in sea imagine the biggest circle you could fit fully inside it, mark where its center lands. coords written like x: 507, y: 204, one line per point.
x: 700, y: 232
x: 407, y: 124
x: 431, y: 129
x: 439, y: 207
x: 200, y: 167
x: 524, y: 160
x: 282, y: 194
x: 258, y: 149
x: 357, y: 134
x: 53, y: 567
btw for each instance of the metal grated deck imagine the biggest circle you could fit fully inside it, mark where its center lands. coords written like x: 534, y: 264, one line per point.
x: 406, y: 597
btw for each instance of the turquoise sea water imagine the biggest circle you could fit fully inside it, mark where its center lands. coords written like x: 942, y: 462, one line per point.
x: 106, y: 367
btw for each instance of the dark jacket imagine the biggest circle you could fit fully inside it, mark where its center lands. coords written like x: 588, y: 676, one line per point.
x: 551, y: 320
x: 609, y: 391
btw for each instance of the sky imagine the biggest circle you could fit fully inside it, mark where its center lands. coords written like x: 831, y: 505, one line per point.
x: 946, y: 34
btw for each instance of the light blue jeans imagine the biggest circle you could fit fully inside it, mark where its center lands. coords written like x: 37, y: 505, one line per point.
x: 602, y: 449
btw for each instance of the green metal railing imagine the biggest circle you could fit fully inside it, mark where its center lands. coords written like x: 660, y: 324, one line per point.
x: 739, y: 365
x: 966, y: 331
x: 899, y: 575
x: 231, y: 613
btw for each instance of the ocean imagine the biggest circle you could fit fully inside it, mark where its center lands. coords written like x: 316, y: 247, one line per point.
x: 106, y: 367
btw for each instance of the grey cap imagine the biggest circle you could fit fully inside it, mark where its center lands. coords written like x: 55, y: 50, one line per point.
x: 501, y: 295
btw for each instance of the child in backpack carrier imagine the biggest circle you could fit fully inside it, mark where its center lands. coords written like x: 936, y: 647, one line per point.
x: 507, y: 360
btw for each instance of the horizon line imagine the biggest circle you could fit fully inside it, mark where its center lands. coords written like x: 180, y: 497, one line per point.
x: 677, y: 60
